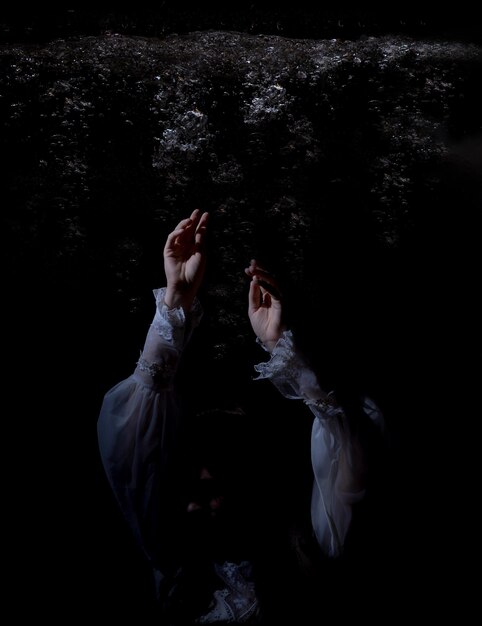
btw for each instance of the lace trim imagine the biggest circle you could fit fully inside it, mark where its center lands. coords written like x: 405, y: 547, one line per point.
x: 237, y: 602
x: 157, y: 371
x: 170, y: 324
x: 295, y: 380
x: 282, y: 358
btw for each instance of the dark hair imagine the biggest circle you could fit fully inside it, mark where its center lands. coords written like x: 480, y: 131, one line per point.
x: 222, y: 441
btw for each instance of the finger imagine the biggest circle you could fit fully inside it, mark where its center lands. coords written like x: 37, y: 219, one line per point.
x: 195, y: 223
x: 184, y: 223
x: 254, y: 268
x: 171, y: 239
x: 201, y: 230
x: 266, y: 299
x: 199, y: 239
x: 188, y: 232
x: 254, y: 296
x: 255, y: 265
x: 195, y: 215
x: 203, y: 221
x: 270, y: 288
x: 266, y: 281
x: 261, y: 272
x: 252, y: 265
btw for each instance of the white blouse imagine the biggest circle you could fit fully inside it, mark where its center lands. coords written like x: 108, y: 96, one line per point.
x: 336, y: 457
x: 139, y: 419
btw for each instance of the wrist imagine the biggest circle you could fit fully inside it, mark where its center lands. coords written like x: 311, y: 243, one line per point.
x: 270, y: 344
x: 175, y: 298
x: 271, y: 341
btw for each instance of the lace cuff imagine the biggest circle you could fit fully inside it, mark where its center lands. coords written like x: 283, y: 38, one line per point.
x: 173, y: 325
x: 288, y: 371
x: 167, y: 336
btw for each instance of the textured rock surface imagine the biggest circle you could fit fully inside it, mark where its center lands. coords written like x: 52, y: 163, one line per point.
x: 307, y: 153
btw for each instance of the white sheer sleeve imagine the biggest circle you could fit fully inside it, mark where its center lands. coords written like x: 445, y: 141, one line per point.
x: 336, y: 457
x: 138, y: 423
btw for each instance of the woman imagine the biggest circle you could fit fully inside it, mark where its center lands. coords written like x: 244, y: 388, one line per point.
x: 175, y: 496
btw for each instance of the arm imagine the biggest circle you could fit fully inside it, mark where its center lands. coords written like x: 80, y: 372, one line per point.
x: 137, y: 426
x: 336, y: 456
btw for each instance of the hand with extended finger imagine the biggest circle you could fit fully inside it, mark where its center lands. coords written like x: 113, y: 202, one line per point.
x: 265, y: 310
x: 185, y: 260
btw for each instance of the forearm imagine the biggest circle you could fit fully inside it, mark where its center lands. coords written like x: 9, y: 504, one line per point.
x: 168, y: 334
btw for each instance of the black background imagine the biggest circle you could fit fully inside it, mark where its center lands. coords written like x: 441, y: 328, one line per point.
x: 301, y: 19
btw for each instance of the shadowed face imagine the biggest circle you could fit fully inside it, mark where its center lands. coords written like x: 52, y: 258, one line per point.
x: 207, y: 496
x: 220, y: 504
x: 215, y: 516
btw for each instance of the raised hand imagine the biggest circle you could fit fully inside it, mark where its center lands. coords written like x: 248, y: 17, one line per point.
x: 265, y: 310
x: 185, y: 260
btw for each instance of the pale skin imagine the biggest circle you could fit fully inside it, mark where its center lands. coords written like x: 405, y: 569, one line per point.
x: 185, y: 263
x: 265, y: 310
x: 185, y: 260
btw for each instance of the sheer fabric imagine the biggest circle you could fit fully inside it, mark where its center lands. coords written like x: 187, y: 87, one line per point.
x: 138, y: 427
x: 335, y: 455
